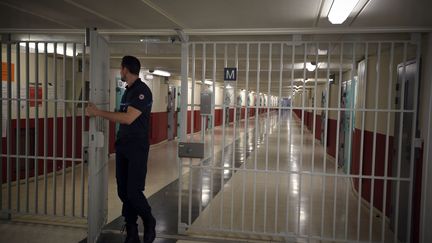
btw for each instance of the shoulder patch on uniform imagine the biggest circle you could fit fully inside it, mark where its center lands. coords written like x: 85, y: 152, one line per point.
x: 141, y: 96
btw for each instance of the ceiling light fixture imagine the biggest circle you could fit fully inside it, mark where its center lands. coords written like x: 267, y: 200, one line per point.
x: 148, y: 77
x: 160, y: 73
x: 208, y: 82
x: 311, y: 66
x: 340, y: 10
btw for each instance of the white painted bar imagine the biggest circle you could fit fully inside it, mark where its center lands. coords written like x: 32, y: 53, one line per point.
x: 387, y: 148
x: 362, y: 142
x: 402, y: 98
x: 377, y: 87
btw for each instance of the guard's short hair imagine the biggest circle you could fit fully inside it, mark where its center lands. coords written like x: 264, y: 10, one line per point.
x: 132, y: 64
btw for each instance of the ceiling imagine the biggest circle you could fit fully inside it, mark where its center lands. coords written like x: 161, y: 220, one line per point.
x: 207, y: 14
x: 125, y: 22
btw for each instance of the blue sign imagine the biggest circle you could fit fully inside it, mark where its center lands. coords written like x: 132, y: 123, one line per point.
x: 230, y: 74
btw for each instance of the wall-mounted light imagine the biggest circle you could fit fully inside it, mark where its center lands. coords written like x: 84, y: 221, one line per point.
x: 229, y: 86
x: 160, y: 73
x: 340, y: 10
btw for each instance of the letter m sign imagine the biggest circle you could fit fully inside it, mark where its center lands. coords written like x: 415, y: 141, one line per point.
x: 230, y: 74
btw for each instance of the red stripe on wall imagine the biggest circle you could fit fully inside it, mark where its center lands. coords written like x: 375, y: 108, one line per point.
x: 41, y: 145
x: 367, y: 166
x: 158, y: 127
x: 331, y: 137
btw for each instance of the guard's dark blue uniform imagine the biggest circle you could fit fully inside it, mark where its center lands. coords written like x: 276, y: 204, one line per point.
x: 132, y: 147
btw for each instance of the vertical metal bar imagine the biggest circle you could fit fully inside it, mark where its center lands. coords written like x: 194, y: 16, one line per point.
x: 55, y: 140
x: 83, y: 97
x: 223, y: 138
x: 267, y: 127
x: 45, y: 146
x: 203, y: 75
x: 337, y: 140
x: 212, y: 130
x: 268, y: 107
x: 27, y: 136
x: 377, y: 87
x: 401, y: 110
x: 257, y: 104
x: 387, y: 147
x: 246, y: 135
x: 350, y: 139
x: 313, y: 137
x: 64, y: 131
x: 301, y: 141
x: 9, y: 125
x: 73, y: 128
x: 223, y: 135
x: 1, y: 124
x: 234, y: 138
x: 290, y: 124
x: 325, y: 136
x: 36, y: 138
x: 191, y: 138
x: 413, y: 134
x: 360, y: 181
x: 278, y: 136
x: 18, y: 129
x: 183, y: 115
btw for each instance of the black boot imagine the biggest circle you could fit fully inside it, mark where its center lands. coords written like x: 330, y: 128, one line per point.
x: 149, y: 230
x: 132, y: 233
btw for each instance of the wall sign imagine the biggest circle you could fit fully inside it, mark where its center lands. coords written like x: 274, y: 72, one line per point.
x: 230, y: 74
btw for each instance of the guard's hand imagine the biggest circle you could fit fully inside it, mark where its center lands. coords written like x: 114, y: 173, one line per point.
x: 91, y: 110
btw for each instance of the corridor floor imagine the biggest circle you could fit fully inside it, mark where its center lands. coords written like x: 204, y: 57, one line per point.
x: 249, y: 196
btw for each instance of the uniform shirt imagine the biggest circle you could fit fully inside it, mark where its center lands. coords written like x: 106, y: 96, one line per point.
x: 139, y: 96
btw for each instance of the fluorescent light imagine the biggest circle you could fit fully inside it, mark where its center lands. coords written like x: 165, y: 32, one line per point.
x: 208, y: 82
x: 340, y: 10
x: 50, y: 48
x: 148, y: 77
x: 161, y: 73
x: 311, y: 66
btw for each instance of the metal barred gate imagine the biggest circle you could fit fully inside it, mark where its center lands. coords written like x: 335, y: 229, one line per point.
x: 273, y: 140
x: 48, y: 146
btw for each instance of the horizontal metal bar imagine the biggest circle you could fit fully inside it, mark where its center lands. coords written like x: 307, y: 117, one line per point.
x: 39, y: 157
x: 226, y: 32
x: 43, y: 216
x: 288, y: 236
x: 295, y: 172
x: 322, y: 108
x: 47, y: 100
x: 300, y: 42
x: 12, y: 42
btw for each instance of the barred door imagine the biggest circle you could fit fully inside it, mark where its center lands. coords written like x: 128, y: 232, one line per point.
x: 267, y: 172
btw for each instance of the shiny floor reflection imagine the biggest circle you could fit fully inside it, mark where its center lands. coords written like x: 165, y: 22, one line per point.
x: 281, y: 191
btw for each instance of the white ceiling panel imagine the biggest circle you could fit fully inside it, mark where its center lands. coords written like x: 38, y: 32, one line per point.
x: 61, y: 13
x: 132, y: 13
x: 12, y: 17
x: 221, y: 14
x: 396, y: 13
